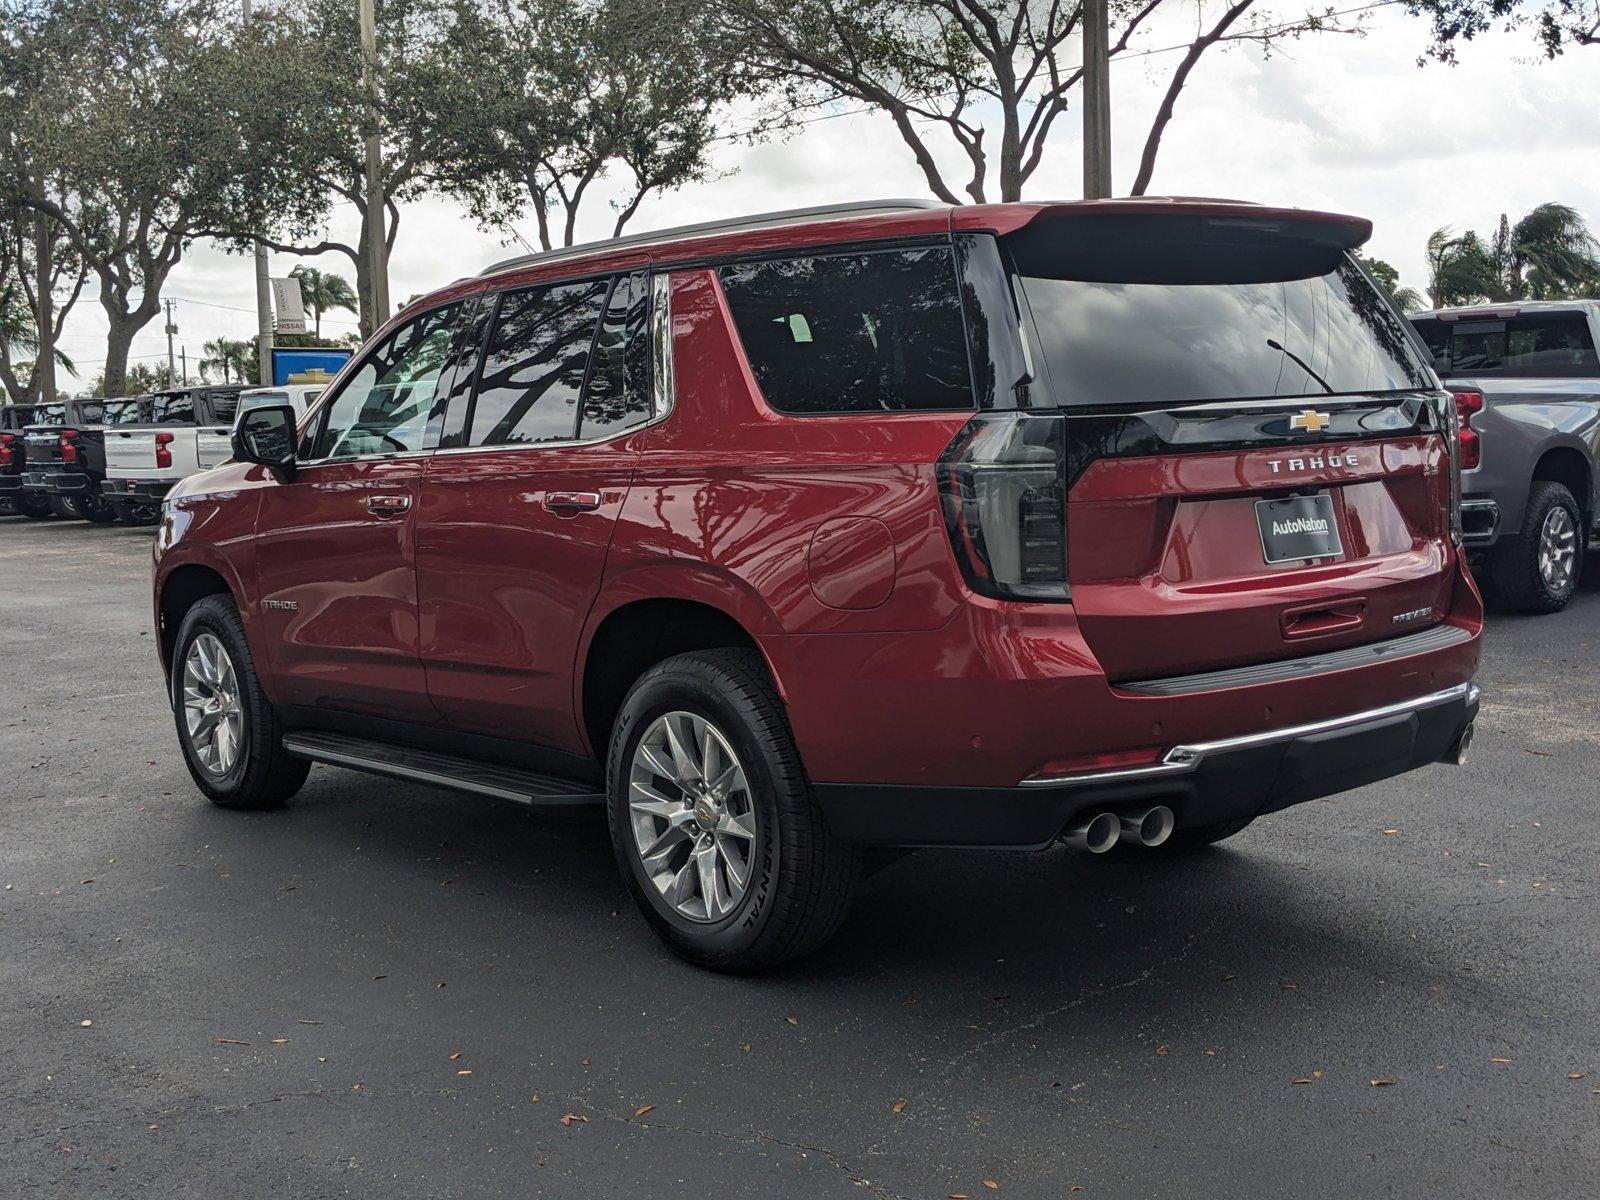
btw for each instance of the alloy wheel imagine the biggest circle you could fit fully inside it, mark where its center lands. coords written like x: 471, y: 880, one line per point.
x: 1558, y: 549
x: 693, y: 816
x: 213, y: 715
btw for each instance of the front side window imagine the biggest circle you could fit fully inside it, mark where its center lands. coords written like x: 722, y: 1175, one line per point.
x: 535, y: 363
x: 1558, y: 345
x: 879, y: 331
x: 384, y: 407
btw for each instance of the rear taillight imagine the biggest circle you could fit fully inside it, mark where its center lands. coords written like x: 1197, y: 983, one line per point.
x: 1003, y: 486
x: 69, y: 446
x: 7, y: 458
x: 163, y: 450
x: 1468, y: 405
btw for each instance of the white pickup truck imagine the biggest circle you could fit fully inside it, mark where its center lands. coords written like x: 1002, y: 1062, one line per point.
x: 300, y: 395
x: 190, y: 430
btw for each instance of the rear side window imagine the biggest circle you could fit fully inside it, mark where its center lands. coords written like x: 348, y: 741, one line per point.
x: 1177, y: 342
x: 534, y: 367
x: 173, y: 410
x: 90, y: 412
x: 849, y: 333
x: 618, y: 393
x: 1557, y: 345
x: 224, y: 409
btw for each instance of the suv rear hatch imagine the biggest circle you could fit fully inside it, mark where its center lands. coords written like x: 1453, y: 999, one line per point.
x: 1252, y: 451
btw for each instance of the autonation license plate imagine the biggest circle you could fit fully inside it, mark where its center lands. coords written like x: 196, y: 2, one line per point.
x: 1298, y: 528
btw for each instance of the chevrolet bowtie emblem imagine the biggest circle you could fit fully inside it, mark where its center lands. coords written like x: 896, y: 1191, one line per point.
x: 1311, y: 421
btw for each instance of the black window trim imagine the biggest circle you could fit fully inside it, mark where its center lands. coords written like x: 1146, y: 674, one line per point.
x: 945, y: 241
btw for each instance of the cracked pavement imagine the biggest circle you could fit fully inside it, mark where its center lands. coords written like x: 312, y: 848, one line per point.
x: 275, y: 999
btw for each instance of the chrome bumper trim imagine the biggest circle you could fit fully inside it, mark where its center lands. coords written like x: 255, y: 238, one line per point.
x: 1181, y: 760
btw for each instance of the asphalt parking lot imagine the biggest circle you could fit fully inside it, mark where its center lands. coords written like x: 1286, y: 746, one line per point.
x: 391, y: 991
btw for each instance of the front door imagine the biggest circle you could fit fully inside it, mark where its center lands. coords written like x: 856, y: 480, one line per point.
x: 335, y: 545
x: 515, y: 523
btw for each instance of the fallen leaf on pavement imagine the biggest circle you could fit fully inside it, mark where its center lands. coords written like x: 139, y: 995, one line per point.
x: 1386, y: 1081
x: 463, y: 1072
x: 642, y: 1109
x: 1390, y: 832
x: 1303, y: 1079
x: 280, y: 1041
x: 86, y: 1024
x: 569, y: 1118
x: 231, y: 1042
x: 1502, y: 1061
x: 455, y: 1056
x: 1576, y: 1075
x: 899, y: 1106
x: 792, y: 1020
x: 991, y: 1185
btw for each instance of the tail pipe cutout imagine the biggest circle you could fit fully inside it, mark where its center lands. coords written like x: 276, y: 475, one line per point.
x: 1098, y: 832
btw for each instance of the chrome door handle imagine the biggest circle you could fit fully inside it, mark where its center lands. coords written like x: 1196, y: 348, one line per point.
x: 570, y: 503
x: 387, y: 506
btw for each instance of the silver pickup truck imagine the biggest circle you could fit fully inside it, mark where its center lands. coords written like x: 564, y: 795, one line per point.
x: 1527, y: 385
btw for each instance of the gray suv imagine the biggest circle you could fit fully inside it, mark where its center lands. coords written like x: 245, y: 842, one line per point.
x: 1527, y: 385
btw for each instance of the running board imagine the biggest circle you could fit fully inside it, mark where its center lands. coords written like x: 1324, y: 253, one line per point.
x: 441, y: 770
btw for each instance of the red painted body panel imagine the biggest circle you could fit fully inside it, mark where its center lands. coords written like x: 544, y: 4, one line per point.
x: 1166, y: 563
x: 504, y: 582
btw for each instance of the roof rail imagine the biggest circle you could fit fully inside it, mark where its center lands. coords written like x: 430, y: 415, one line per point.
x: 772, y: 220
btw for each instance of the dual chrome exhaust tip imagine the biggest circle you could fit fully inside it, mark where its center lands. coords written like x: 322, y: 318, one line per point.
x: 1099, y: 832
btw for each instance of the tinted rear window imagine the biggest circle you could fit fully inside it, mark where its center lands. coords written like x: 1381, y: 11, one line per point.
x: 846, y: 333
x: 47, y: 414
x: 224, y: 408
x: 1557, y: 345
x: 173, y: 410
x: 122, y: 412
x: 534, y: 368
x: 1154, y: 343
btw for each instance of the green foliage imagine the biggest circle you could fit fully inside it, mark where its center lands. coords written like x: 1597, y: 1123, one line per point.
x: 231, y: 360
x: 1549, y: 254
x: 1555, y: 25
x: 1406, y: 299
x: 567, y: 92
x: 322, y: 291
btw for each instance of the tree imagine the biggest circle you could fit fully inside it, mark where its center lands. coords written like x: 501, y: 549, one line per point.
x: 127, y: 122
x: 1549, y: 254
x: 570, y: 92
x: 40, y: 280
x: 424, y: 112
x: 323, y: 291
x: 234, y: 358
x: 140, y: 378
x: 944, y: 70
x: 1405, y: 298
x: 1554, y: 24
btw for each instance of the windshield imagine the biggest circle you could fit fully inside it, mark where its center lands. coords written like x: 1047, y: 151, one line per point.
x: 251, y: 400
x: 1191, y: 342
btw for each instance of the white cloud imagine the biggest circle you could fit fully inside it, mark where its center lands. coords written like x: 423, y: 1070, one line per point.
x: 1350, y: 124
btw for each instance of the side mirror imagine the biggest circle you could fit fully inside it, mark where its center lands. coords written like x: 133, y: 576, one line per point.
x: 266, y: 435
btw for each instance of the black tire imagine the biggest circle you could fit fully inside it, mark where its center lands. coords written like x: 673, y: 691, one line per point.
x: 263, y: 774
x: 137, y: 514
x: 97, y: 509
x: 1519, y: 582
x: 65, y: 507
x: 802, y: 879
x: 33, y: 506
x: 1198, y: 837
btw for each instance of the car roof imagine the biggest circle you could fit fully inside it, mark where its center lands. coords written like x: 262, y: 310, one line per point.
x: 1501, y: 312
x: 843, y: 224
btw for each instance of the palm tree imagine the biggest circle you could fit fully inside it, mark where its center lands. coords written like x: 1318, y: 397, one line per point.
x: 234, y: 357
x: 1548, y: 254
x: 323, y: 290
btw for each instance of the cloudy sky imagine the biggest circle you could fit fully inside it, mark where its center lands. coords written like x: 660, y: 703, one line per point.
x: 1345, y: 123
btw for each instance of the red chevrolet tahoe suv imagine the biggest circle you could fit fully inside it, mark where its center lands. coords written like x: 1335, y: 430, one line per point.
x: 876, y: 525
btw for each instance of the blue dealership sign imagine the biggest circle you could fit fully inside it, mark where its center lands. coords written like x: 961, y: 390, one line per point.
x: 307, y: 364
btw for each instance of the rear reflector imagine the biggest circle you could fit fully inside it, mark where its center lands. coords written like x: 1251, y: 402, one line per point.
x: 163, y: 450
x: 1003, y: 487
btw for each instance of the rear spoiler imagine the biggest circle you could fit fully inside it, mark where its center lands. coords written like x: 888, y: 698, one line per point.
x: 1184, y: 243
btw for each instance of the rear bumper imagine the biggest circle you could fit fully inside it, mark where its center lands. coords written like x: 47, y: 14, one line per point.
x: 137, y: 491
x: 71, y: 483
x: 11, y: 483
x: 1204, y: 783
x: 1480, y: 522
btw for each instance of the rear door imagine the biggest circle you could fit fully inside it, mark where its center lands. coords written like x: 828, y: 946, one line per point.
x: 1257, y: 464
x: 517, y: 514
x: 335, y: 545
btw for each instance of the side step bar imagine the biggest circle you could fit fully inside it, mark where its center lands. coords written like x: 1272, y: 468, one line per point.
x: 441, y: 770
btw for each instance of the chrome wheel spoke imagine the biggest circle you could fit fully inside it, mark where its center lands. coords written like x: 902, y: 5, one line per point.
x: 693, y: 822
x: 209, y: 696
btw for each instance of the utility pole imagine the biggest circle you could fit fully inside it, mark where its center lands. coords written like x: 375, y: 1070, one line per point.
x: 263, y: 295
x: 172, y: 328
x: 45, y: 361
x: 377, y: 211
x: 184, y: 354
x: 1096, y: 101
